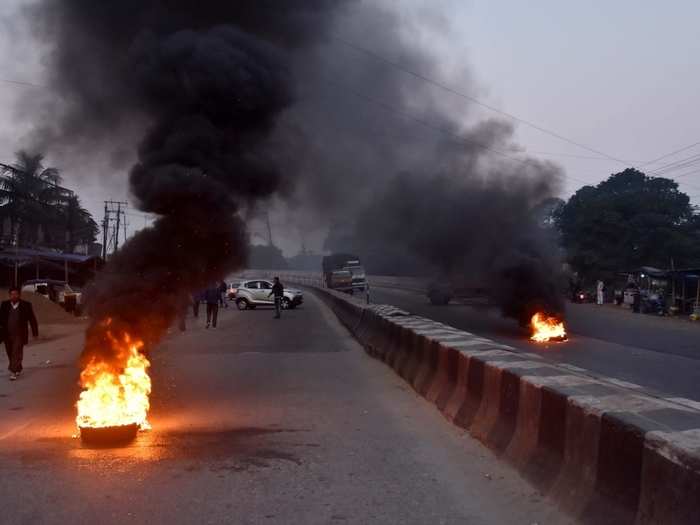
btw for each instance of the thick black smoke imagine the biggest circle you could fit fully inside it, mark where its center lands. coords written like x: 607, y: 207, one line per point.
x: 206, y: 82
x: 412, y: 177
x: 237, y: 101
x: 474, y: 232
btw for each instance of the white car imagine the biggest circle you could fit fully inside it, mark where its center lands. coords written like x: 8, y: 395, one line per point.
x: 232, y: 289
x: 54, y: 290
x: 256, y: 292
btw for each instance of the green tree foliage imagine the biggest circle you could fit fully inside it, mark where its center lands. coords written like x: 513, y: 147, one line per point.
x: 627, y: 221
x: 41, y: 212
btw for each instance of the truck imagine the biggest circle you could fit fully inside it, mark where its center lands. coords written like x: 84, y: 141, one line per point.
x: 344, y: 272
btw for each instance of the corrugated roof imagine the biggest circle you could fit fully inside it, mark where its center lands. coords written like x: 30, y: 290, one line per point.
x: 24, y: 254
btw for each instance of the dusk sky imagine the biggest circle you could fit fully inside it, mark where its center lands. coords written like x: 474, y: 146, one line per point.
x: 619, y: 77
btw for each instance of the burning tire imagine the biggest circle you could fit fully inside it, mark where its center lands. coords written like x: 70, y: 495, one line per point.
x: 109, y: 436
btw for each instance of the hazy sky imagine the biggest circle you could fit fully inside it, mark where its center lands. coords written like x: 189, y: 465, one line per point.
x: 619, y: 76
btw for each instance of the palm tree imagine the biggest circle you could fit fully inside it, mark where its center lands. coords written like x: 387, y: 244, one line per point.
x: 30, y: 196
x: 79, y: 226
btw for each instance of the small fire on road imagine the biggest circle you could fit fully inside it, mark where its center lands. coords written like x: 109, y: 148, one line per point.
x: 114, y: 402
x: 546, y: 328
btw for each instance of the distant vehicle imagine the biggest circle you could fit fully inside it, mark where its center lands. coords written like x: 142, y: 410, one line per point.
x: 57, y: 291
x: 654, y: 303
x: 344, y: 272
x: 256, y: 292
x: 46, y: 287
x: 583, y: 296
x: 339, y: 280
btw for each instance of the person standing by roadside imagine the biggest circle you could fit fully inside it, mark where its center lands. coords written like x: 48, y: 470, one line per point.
x: 212, y: 296
x: 600, y: 289
x: 278, y: 292
x: 15, y: 314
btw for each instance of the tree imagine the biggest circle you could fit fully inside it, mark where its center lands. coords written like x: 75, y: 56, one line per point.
x: 627, y: 221
x: 78, y: 224
x: 40, y: 211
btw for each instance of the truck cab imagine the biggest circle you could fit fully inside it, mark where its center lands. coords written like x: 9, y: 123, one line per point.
x: 344, y: 272
x: 359, y: 277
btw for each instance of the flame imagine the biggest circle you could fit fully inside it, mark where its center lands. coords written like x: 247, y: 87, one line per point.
x: 545, y: 328
x: 115, y: 394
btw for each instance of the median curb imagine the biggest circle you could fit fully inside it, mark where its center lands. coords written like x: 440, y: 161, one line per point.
x: 605, y: 453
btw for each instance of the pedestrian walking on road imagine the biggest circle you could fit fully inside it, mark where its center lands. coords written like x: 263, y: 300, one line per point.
x: 15, y: 315
x: 196, y: 300
x: 600, y: 289
x: 212, y: 296
x: 222, y: 294
x: 182, y: 315
x: 278, y: 292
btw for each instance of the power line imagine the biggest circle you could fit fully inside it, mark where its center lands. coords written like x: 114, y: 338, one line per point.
x: 670, y: 154
x: 686, y: 174
x: 442, y: 129
x: 454, y: 91
x: 680, y: 164
x: 570, y: 155
x: 22, y: 83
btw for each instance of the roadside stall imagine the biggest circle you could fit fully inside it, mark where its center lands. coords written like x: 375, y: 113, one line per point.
x: 686, y: 291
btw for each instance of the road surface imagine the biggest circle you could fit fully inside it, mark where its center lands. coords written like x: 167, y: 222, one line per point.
x: 257, y: 422
x: 659, y: 354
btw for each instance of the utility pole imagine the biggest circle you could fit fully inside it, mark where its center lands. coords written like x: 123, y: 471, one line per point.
x: 114, y: 210
x: 105, y: 226
x: 116, y: 236
x: 269, y: 229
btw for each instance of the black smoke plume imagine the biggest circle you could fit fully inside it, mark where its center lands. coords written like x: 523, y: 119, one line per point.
x: 471, y: 232
x: 234, y: 102
x: 205, y: 83
x: 412, y: 177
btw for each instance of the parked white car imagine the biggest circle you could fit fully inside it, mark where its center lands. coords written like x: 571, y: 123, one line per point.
x: 56, y: 291
x: 256, y: 292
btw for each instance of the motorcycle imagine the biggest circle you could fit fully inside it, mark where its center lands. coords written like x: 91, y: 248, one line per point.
x: 654, y: 305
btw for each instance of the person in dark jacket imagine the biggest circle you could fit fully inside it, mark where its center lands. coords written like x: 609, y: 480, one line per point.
x: 211, y: 296
x: 278, y: 292
x: 197, y: 298
x: 222, y: 294
x: 15, y: 315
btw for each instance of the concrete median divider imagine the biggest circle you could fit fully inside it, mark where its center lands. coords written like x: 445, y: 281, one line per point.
x: 607, y: 454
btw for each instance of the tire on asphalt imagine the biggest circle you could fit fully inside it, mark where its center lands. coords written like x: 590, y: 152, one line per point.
x: 286, y: 304
x: 242, y: 304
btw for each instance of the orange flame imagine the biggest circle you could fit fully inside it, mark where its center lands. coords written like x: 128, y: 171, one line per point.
x: 545, y: 328
x: 115, y: 395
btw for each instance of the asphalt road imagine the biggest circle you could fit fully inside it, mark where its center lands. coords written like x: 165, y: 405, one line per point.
x: 659, y: 354
x: 257, y: 422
